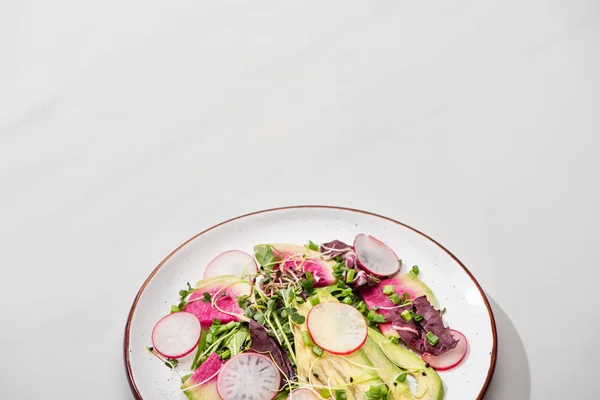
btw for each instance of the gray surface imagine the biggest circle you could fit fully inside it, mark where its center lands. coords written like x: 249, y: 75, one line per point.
x: 126, y: 127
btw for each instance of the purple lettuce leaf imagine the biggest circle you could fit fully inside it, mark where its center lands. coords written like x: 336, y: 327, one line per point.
x: 264, y: 344
x: 334, y: 248
x: 414, y: 333
x: 432, y: 322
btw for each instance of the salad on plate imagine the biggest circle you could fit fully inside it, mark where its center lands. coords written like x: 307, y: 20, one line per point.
x: 329, y: 321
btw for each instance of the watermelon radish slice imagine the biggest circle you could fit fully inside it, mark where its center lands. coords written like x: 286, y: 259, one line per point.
x: 336, y: 327
x: 402, y: 283
x: 302, y: 259
x: 303, y: 394
x: 176, y: 335
x: 451, y: 358
x: 232, y: 262
x: 203, y: 383
x: 248, y: 376
x: 375, y: 257
x: 225, y: 307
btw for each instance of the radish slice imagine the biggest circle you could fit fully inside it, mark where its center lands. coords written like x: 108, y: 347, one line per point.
x: 451, y: 358
x: 303, y: 394
x: 248, y: 376
x: 336, y: 327
x: 232, y: 262
x: 375, y: 256
x: 176, y: 335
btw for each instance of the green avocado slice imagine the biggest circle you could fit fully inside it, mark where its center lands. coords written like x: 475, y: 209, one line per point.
x: 429, y: 386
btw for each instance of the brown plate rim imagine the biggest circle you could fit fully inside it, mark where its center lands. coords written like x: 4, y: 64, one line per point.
x: 132, y: 384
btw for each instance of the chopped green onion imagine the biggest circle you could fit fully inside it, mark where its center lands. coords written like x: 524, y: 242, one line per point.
x: 350, y: 276
x: 401, y: 377
x: 226, y: 354
x: 379, y: 318
x: 416, y: 316
x: 415, y: 269
x: 174, y: 309
x: 388, y: 289
x: 317, y: 350
x: 313, y: 246
x: 347, y: 300
x: 371, y: 315
x: 306, y: 338
x: 314, y: 300
x: 394, y: 298
x: 431, y: 338
x: 406, y: 315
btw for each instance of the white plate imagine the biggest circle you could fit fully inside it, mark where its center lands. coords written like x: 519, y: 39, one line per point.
x: 453, y: 285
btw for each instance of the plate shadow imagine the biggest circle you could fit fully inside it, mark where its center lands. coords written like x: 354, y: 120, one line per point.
x: 512, y: 376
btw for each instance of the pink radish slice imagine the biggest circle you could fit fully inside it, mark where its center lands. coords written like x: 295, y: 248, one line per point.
x: 451, y: 358
x: 248, y: 376
x: 176, y: 335
x: 336, y: 327
x: 375, y: 256
x: 232, y: 262
x: 303, y: 394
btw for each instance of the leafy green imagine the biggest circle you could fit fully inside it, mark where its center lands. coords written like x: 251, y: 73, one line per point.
x: 265, y: 257
x: 235, y: 343
x: 377, y: 392
x: 206, y: 297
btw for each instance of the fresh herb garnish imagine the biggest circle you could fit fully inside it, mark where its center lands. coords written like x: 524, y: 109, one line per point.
x: 206, y: 297
x: 432, y: 338
x: 415, y: 269
x: 313, y: 246
x: 265, y: 257
x: 388, y: 289
x: 317, y: 350
x: 377, y: 392
x: 406, y: 315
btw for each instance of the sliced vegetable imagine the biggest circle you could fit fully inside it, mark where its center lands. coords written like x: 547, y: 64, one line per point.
x: 248, y: 376
x: 203, y: 383
x: 407, y: 286
x: 345, y: 321
x: 451, y: 358
x: 176, y: 335
x: 232, y: 262
x: 301, y: 260
x: 375, y: 256
x: 220, y: 300
x: 303, y: 394
x: 334, y: 248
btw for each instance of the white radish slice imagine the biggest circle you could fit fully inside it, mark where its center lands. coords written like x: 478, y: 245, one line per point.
x: 303, y: 394
x: 248, y: 376
x: 336, y: 327
x: 375, y: 256
x: 451, y: 358
x: 176, y: 335
x: 232, y: 262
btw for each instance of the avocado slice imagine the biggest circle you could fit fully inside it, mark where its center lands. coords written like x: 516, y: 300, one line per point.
x: 429, y: 386
x: 387, y: 371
